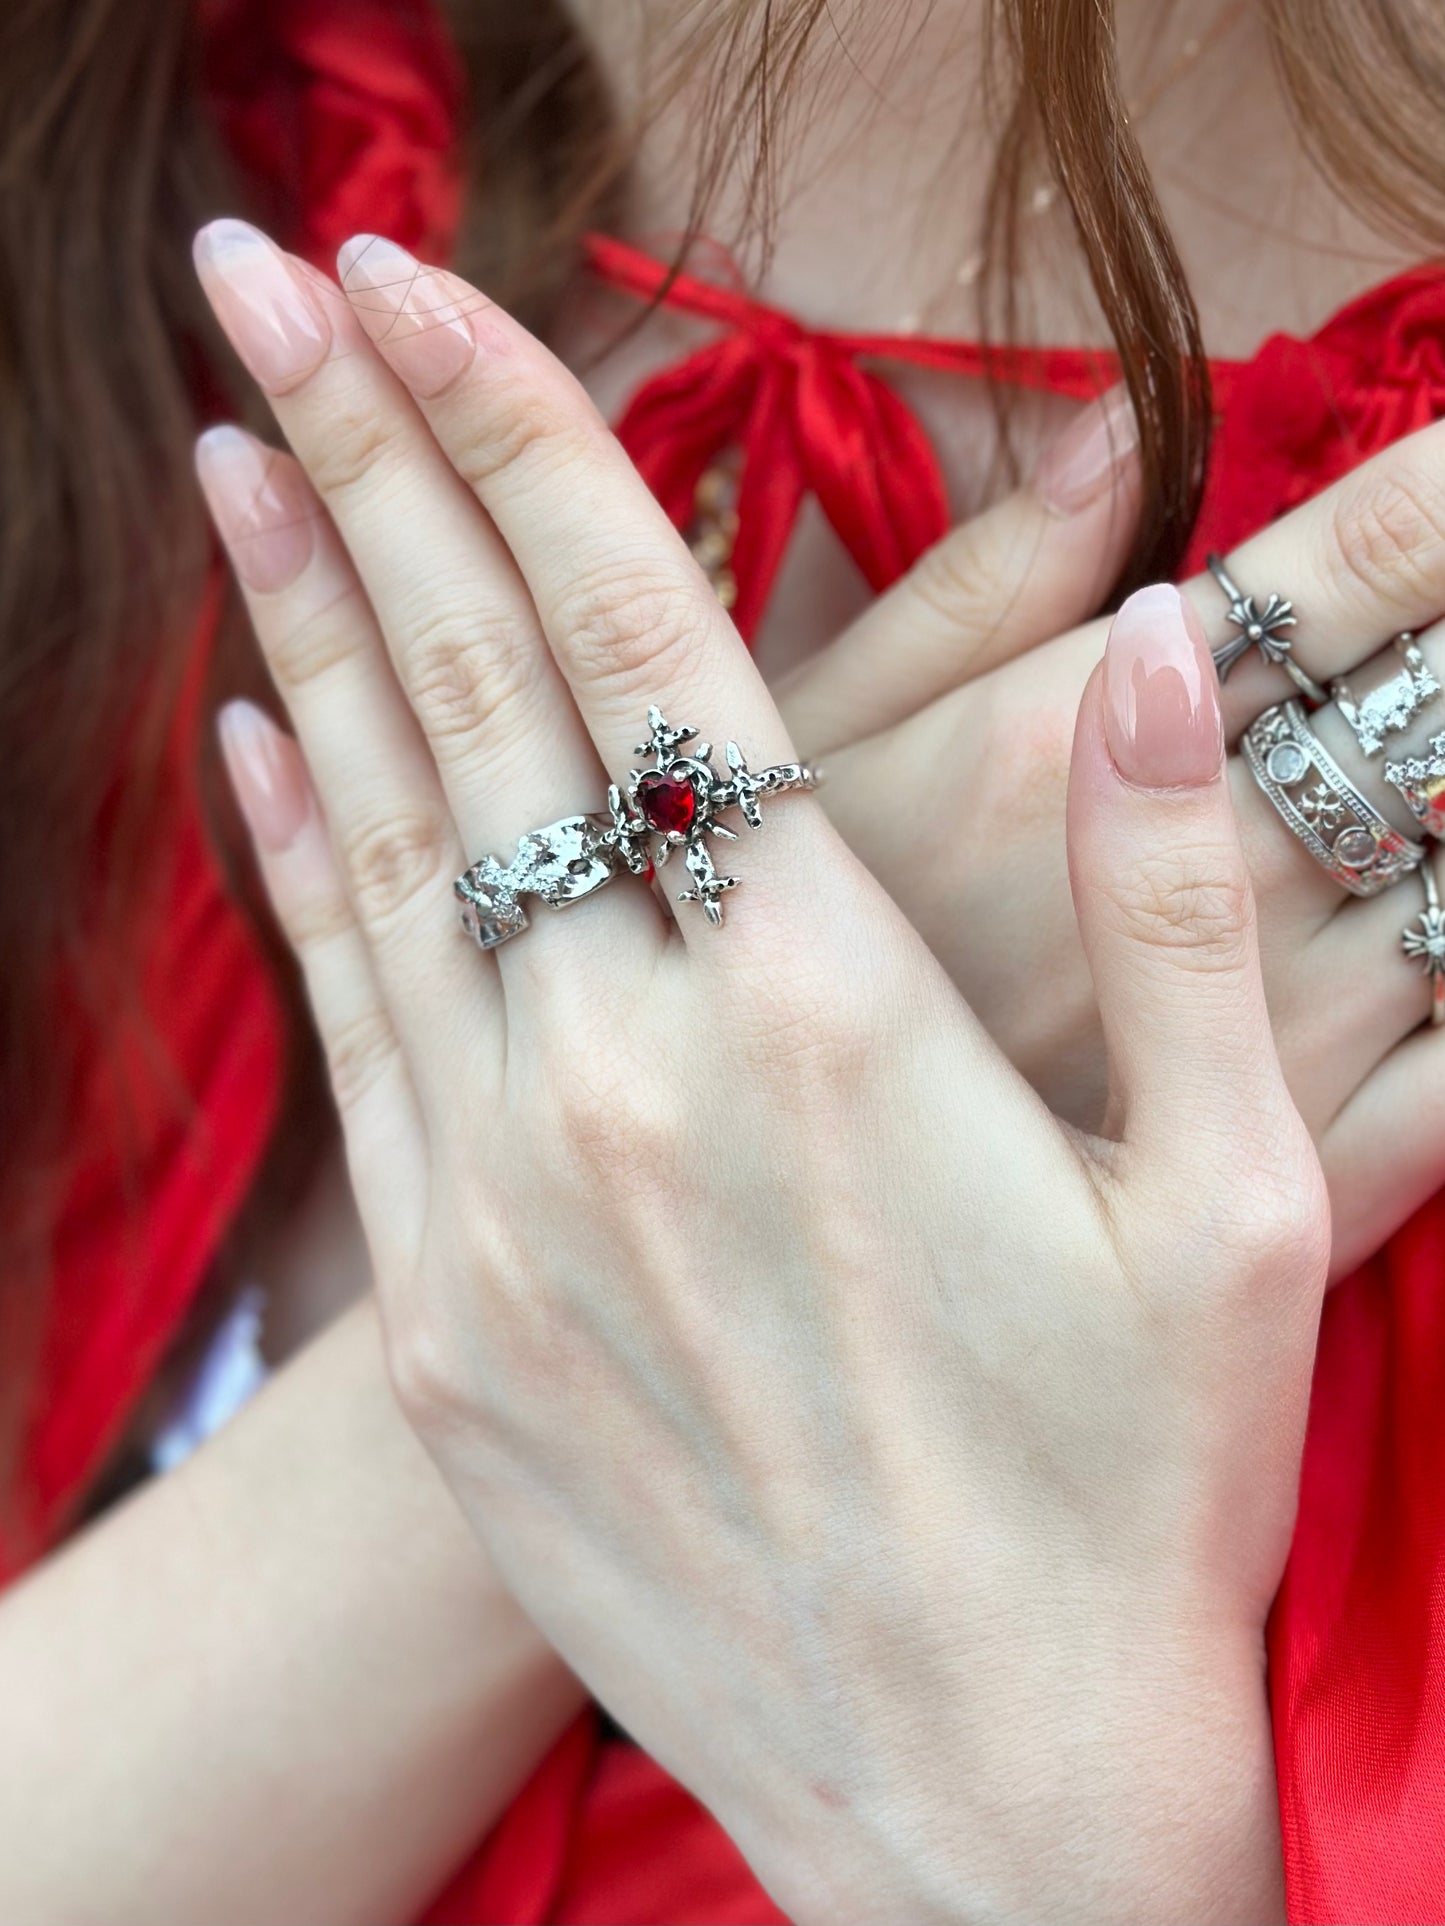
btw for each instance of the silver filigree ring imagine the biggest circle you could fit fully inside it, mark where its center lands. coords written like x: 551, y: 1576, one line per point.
x: 1421, y: 781
x: 1260, y: 626
x: 1391, y: 706
x: 1424, y: 943
x: 682, y: 797
x: 1341, y: 829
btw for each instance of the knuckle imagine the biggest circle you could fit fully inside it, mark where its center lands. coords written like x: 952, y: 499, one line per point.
x: 424, y: 1373
x: 308, y: 649
x: 1387, y: 534
x: 465, y: 669
x: 389, y: 863
x: 359, y: 1052
x: 524, y: 438
x: 966, y: 584
x: 632, y: 623
x: 357, y: 442
x: 1197, y: 905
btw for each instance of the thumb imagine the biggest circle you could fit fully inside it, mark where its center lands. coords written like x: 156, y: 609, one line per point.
x: 1164, y: 901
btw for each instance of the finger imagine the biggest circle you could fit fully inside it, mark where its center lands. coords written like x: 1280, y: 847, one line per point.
x: 629, y: 616
x: 1000, y: 583
x: 456, y: 619
x: 392, y: 830
x: 1384, y: 1155
x: 1360, y: 562
x: 1165, y: 907
x: 381, y: 1123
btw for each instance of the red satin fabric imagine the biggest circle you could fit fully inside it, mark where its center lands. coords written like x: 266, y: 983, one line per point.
x: 345, y: 112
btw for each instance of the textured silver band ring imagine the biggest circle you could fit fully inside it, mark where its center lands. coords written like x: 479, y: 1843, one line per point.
x: 1421, y: 781
x: 1424, y: 943
x: 1341, y: 829
x: 1261, y: 628
x: 680, y: 798
x: 1392, y: 705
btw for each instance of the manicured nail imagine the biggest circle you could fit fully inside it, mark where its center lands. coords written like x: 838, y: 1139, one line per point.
x: 267, y: 774
x: 273, y: 321
x: 1161, y: 694
x: 417, y: 316
x: 262, y: 505
x: 1086, y: 456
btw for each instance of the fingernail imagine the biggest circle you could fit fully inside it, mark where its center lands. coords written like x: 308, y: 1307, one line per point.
x: 261, y: 504
x: 1084, y: 458
x: 273, y: 322
x: 416, y: 315
x: 267, y: 774
x: 1161, y: 694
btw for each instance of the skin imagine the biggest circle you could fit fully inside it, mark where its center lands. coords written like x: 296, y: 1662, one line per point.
x: 812, y: 1375
x: 273, y: 1484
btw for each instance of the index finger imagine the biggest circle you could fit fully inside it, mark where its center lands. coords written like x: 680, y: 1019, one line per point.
x: 632, y: 620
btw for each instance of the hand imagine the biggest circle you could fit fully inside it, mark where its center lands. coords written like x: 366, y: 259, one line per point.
x: 945, y: 732
x: 910, y: 1473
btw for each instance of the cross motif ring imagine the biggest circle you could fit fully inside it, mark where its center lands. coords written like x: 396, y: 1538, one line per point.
x: 1260, y: 626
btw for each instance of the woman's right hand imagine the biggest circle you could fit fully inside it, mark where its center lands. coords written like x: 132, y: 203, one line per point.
x: 944, y: 718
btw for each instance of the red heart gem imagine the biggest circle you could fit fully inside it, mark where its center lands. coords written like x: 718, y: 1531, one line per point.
x: 668, y: 805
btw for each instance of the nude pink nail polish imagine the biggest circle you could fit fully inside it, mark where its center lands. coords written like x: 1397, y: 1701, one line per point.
x: 267, y: 774
x: 418, y: 316
x: 1084, y: 458
x: 1161, y: 693
x: 262, y: 505
x: 273, y: 321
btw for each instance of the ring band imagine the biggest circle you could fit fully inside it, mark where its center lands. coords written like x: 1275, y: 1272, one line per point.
x: 1421, y: 781
x: 1392, y: 705
x: 1344, y: 832
x: 1262, y: 629
x: 1424, y: 943
x: 560, y: 865
x: 681, y: 797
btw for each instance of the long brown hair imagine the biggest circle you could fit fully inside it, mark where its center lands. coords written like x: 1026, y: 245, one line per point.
x: 108, y: 163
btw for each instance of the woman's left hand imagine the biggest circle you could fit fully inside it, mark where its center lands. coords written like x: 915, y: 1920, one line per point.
x: 911, y: 1474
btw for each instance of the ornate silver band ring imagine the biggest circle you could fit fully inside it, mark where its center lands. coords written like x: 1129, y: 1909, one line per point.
x: 1260, y: 627
x: 1421, y: 781
x: 1341, y: 829
x: 1424, y: 943
x: 676, y: 804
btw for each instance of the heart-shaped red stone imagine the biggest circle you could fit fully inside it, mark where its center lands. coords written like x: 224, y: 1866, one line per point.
x: 667, y: 804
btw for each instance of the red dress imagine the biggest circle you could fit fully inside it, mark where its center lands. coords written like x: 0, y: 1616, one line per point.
x: 354, y: 104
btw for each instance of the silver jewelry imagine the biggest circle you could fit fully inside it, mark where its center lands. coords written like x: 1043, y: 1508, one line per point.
x: 1421, y: 781
x: 1262, y: 629
x: 1424, y: 943
x: 1344, y: 832
x: 559, y: 865
x: 681, y: 797
x: 1391, y: 705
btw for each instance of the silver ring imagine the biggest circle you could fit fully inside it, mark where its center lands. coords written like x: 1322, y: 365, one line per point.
x: 559, y: 865
x: 1421, y: 781
x: 1392, y: 705
x: 1344, y: 832
x: 1262, y: 629
x: 680, y: 798
x: 1424, y: 943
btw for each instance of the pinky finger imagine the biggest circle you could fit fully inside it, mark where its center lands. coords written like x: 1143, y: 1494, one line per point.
x: 380, y: 1117
x: 1384, y: 1154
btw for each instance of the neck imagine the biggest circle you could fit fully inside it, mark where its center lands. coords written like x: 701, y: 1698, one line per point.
x: 882, y: 156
